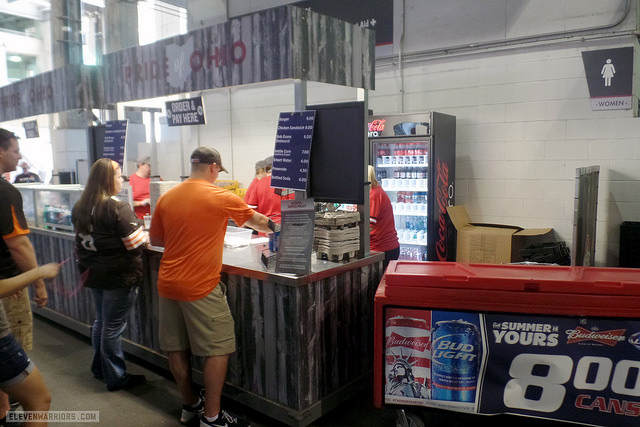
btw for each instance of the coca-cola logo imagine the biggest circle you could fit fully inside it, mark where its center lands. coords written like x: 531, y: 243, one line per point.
x: 610, y: 338
x: 444, y: 194
x: 377, y: 125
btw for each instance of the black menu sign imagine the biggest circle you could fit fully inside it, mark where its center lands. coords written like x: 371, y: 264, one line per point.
x: 115, y: 135
x: 292, y: 150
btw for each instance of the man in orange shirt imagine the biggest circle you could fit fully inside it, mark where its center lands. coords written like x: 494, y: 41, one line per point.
x: 190, y: 221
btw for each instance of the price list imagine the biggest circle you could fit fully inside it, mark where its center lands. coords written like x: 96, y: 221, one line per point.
x: 115, y: 135
x: 292, y: 150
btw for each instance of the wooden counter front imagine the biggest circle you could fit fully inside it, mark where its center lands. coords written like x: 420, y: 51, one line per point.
x: 304, y: 344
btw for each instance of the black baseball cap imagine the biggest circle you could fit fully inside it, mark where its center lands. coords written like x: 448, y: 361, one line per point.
x: 207, y: 155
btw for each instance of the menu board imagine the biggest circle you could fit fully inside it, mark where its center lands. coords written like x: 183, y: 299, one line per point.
x: 115, y: 135
x: 292, y: 150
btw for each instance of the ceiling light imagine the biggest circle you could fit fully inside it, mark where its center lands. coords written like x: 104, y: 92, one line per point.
x: 14, y: 58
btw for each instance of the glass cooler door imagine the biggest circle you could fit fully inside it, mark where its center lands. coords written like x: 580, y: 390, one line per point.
x: 402, y: 171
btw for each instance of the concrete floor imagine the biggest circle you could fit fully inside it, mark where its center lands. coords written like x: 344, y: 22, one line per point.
x: 64, y: 356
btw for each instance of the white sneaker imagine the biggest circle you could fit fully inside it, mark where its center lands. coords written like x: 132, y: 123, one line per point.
x: 191, y: 414
x: 224, y: 420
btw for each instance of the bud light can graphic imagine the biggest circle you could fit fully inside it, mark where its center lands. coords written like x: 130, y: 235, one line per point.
x: 407, y: 357
x: 455, y: 361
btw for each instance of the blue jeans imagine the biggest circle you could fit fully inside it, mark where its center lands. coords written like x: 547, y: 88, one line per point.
x: 112, y: 309
x: 14, y: 363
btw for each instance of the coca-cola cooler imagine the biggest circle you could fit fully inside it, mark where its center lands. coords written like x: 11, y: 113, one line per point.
x: 414, y: 157
x: 549, y: 342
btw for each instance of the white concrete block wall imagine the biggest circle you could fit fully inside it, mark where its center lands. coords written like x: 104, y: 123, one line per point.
x: 524, y: 124
x: 68, y: 145
x: 254, y: 117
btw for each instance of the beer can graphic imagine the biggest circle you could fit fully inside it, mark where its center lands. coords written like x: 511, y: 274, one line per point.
x: 455, y: 361
x: 407, y: 357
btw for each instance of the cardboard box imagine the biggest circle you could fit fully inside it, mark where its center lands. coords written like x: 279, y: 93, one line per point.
x: 492, y: 243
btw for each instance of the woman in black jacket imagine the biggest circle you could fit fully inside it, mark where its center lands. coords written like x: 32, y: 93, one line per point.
x: 109, y: 244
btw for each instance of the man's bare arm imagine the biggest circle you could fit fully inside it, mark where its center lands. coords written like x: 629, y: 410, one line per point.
x: 25, y: 257
x: 260, y: 223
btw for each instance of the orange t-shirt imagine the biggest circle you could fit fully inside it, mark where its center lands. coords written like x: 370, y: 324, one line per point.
x: 191, y: 219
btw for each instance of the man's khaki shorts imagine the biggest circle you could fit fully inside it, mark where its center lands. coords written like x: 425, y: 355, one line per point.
x: 204, y: 326
x: 20, y: 318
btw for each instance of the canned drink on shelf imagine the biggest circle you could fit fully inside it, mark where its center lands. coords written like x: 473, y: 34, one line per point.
x: 455, y: 361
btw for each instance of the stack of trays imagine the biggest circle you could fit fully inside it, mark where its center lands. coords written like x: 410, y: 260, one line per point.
x: 157, y: 189
x: 337, y: 235
x: 337, y: 220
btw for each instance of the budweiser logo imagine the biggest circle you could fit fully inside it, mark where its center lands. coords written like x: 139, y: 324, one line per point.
x: 377, y: 125
x: 421, y: 343
x: 610, y: 338
x: 442, y: 195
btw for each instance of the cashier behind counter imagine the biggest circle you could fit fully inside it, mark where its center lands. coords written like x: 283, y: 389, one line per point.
x: 139, y: 182
x: 264, y: 199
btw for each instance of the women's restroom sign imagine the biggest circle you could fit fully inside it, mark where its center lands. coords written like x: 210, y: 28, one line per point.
x: 292, y: 150
x: 610, y: 78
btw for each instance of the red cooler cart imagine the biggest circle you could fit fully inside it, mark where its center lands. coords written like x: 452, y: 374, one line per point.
x: 551, y: 342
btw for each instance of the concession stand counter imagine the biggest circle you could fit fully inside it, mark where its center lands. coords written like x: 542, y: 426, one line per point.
x: 304, y: 343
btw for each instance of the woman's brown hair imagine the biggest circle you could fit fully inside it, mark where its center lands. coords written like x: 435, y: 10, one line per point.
x: 100, y: 186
